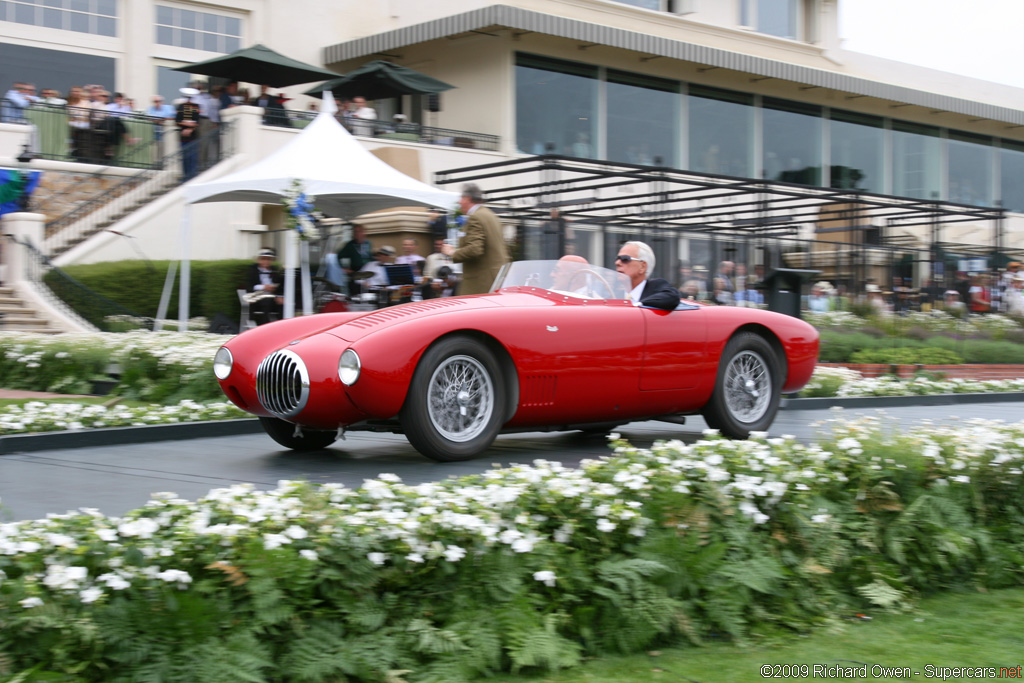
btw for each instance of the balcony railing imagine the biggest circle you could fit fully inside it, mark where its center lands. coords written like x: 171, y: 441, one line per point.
x: 66, y: 133
x: 409, y: 132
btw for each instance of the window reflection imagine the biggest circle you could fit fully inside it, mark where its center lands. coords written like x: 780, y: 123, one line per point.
x: 721, y: 131
x: 643, y: 115
x: 858, y: 151
x: 792, y: 142
x: 970, y: 169
x: 556, y: 104
x: 1011, y: 188
x: 916, y: 160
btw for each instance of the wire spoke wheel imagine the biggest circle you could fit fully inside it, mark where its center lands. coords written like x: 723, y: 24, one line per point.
x: 746, y: 396
x: 457, y: 400
x: 747, y: 386
x: 460, y: 398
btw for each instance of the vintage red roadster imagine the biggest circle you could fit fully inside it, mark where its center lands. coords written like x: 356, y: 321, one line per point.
x: 539, y: 352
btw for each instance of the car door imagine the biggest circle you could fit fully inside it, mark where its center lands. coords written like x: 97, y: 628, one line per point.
x: 675, y: 348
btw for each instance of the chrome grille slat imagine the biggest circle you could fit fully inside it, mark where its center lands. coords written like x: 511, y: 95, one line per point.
x: 282, y: 384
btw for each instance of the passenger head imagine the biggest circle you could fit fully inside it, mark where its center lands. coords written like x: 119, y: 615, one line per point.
x: 635, y: 261
x: 565, y: 270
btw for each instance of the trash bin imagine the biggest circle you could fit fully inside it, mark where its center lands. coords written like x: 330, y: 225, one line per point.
x: 783, y: 288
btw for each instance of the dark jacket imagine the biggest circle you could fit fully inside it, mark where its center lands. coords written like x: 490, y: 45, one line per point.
x: 252, y: 278
x: 660, y: 293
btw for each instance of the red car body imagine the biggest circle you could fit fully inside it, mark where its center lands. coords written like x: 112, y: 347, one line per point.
x: 564, y: 361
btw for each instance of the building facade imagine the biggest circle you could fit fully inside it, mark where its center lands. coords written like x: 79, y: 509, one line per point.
x: 744, y: 88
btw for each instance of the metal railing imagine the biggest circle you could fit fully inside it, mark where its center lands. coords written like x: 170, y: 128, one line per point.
x: 134, y: 191
x: 65, y: 292
x: 64, y: 133
x: 408, y: 132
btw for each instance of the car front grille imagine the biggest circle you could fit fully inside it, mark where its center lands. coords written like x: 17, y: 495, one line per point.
x: 282, y: 384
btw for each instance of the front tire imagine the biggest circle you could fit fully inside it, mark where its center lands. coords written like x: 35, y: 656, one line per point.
x: 456, y: 401
x: 284, y: 433
x: 746, y: 396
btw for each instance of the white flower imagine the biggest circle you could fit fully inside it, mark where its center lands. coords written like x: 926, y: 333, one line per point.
x: 548, y: 578
x: 415, y: 557
x: 175, y: 576
x: 271, y: 541
x: 525, y: 544
x: 309, y: 555
x: 377, y: 558
x: 710, y: 432
x: 605, y: 525
x: 90, y: 594
x: 114, y: 581
x: 454, y: 553
x: 296, y: 532
x: 820, y: 519
x: 29, y: 603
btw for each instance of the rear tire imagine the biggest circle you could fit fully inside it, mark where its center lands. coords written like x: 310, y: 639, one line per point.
x: 284, y: 433
x: 746, y: 396
x: 456, y: 401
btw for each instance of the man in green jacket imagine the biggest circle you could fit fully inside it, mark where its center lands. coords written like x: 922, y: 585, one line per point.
x: 482, y: 250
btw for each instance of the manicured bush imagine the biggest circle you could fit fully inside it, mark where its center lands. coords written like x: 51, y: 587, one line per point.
x: 907, y: 356
x: 138, y: 286
x: 837, y: 346
x: 164, y: 367
x: 524, y: 568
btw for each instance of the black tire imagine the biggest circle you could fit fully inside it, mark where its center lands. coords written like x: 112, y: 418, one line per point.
x: 456, y: 401
x: 284, y: 433
x: 747, y: 389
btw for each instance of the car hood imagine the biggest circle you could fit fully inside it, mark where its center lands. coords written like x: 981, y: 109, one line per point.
x: 357, y: 328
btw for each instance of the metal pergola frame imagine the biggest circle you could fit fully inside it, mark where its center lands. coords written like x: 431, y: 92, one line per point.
x: 638, y: 198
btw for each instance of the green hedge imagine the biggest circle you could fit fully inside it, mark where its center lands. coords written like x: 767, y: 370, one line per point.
x: 138, y: 285
x: 839, y: 346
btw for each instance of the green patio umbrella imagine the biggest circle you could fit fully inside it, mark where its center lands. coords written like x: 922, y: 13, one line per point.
x: 260, y: 65
x: 379, y: 80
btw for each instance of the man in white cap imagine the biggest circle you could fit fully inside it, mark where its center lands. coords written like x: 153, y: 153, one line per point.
x: 1013, y: 298
x: 187, y: 119
x: 382, y: 257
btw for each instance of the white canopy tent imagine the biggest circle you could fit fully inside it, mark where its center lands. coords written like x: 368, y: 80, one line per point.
x: 343, y: 178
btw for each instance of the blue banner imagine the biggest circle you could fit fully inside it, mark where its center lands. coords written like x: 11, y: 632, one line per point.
x: 13, y: 185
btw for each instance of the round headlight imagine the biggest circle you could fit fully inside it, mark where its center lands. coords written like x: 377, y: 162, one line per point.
x: 349, y: 367
x: 222, y: 363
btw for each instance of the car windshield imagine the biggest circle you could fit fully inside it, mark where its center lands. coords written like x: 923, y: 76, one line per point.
x: 573, y: 278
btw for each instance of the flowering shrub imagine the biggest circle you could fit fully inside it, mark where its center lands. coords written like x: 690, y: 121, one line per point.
x: 127, y: 323
x: 39, y: 416
x: 161, y: 366
x: 515, y: 568
x: 828, y: 382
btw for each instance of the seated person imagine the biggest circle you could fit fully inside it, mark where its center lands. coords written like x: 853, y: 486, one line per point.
x: 382, y: 257
x: 568, y: 276
x: 268, y: 281
x: 444, y: 285
x: 636, y: 261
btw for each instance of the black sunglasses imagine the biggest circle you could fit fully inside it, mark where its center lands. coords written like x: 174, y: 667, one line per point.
x: 626, y: 258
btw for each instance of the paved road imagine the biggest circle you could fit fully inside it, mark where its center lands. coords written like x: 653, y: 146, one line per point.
x: 115, y: 479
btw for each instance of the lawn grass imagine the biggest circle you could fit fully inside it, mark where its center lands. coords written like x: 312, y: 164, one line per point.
x: 949, y: 630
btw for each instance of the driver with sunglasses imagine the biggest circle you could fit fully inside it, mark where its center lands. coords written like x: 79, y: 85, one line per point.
x: 635, y: 261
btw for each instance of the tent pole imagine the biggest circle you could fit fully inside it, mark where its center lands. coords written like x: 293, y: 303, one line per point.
x: 291, y: 262
x: 307, y: 287
x: 186, y: 253
x: 165, y: 296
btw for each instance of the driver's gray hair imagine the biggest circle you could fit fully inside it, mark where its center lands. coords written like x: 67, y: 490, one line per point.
x: 473, y: 192
x: 645, y: 254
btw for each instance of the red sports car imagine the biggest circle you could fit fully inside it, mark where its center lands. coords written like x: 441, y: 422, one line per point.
x: 544, y: 350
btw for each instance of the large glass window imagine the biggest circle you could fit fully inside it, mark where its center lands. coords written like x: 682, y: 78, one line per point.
x: 643, y: 119
x: 858, y: 152
x: 970, y: 169
x: 197, y: 30
x: 916, y: 160
x: 556, y: 106
x: 721, y: 136
x: 1011, y: 186
x: 774, y: 17
x: 646, y: 4
x: 98, y: 17
x: 792, y: 142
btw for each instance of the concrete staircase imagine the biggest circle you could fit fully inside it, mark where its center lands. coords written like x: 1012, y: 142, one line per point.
x: 17, y: 316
